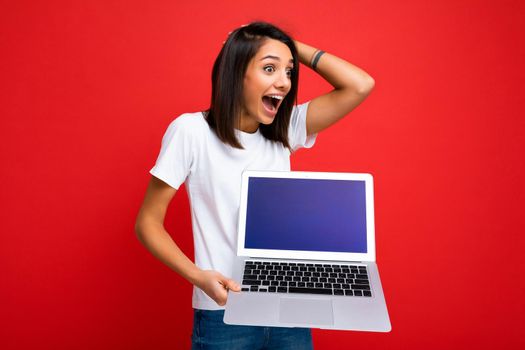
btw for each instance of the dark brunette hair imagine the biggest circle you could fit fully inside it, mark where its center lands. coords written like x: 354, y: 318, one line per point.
x: 227, y: 84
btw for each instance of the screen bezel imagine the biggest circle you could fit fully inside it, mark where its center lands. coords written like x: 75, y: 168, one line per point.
x: 309, y: 255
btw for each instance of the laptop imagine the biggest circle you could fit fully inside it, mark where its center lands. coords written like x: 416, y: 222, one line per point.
x: 306, y: 253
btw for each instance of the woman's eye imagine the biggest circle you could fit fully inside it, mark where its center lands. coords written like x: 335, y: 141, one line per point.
x: 289, y: 73
x: 269, y: 69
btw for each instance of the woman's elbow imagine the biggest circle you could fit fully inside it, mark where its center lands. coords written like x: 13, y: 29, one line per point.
x: 366, y: 86
x: 139, y: 228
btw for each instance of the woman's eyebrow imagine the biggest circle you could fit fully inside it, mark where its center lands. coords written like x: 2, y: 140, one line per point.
x: 275, y: 58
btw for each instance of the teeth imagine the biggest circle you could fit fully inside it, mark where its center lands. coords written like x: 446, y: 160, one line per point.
x: 278, y: 97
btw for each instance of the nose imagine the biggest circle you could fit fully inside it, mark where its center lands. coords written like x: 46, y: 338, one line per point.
x: 282, y: 81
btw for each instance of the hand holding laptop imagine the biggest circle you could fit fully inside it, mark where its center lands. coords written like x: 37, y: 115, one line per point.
x: 216, y: 286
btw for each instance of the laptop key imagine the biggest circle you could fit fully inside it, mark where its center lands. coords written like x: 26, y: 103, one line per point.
x: 251, y: 283
x: 367, y: 293
x: 310, y: 290
x: 272, y: 289
x: 338, y: 292
x: 360, y: 286
x: 254, y: 288
x: 360, y: 281
x: 245, y: 289
x: 349, y: 292
x: 281, y: 289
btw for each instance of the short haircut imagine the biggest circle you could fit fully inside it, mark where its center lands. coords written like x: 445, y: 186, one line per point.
x: 227, y: 78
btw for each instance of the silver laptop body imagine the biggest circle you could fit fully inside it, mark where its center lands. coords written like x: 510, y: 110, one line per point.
x: 306, y: 253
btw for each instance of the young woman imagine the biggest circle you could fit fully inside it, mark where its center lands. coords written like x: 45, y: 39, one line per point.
x: 252, y: 124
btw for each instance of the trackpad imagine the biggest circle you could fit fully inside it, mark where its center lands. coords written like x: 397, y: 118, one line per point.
x: 306, y: 311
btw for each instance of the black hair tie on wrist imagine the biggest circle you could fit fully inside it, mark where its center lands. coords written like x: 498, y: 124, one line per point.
x: 316, y: 59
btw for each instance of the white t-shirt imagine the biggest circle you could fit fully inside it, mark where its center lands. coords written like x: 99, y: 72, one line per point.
x: 192, y: 153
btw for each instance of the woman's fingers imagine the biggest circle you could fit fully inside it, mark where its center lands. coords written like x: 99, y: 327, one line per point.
x: 242, y: 25
x: 216, y: 286
x: 232, y: 285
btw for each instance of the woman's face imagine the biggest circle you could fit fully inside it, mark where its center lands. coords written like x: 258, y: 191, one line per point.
x: 266, y: 83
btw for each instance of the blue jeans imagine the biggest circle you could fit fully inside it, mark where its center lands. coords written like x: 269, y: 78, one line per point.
x: 210, y: 332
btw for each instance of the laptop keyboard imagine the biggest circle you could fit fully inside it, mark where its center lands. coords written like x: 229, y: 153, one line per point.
x: 284, y: 277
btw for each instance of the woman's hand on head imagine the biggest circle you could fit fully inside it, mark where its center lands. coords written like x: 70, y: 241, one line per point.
x: 216, y: 286
x: 242, y: 25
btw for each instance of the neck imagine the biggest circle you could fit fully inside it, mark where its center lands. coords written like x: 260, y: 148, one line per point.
x: 248, y: 125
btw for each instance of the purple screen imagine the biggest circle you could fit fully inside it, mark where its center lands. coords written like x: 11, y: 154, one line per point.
x: 306, y: 214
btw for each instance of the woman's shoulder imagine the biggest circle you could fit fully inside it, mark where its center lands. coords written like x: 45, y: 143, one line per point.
x: 191, y: 122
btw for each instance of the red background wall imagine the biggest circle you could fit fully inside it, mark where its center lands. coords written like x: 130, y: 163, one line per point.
x: 88, y: 88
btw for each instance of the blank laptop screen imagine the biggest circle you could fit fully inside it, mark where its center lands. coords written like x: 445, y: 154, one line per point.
x: 306, y: 214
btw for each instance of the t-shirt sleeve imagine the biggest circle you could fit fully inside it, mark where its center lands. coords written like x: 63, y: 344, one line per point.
x: 297, y: 129
x: 176, y: 153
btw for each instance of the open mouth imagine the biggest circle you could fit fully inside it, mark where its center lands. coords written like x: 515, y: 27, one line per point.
x: 272, y: 102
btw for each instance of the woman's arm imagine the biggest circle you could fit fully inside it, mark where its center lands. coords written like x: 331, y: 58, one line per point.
x: 150, y: 231
x: 351, y: 86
